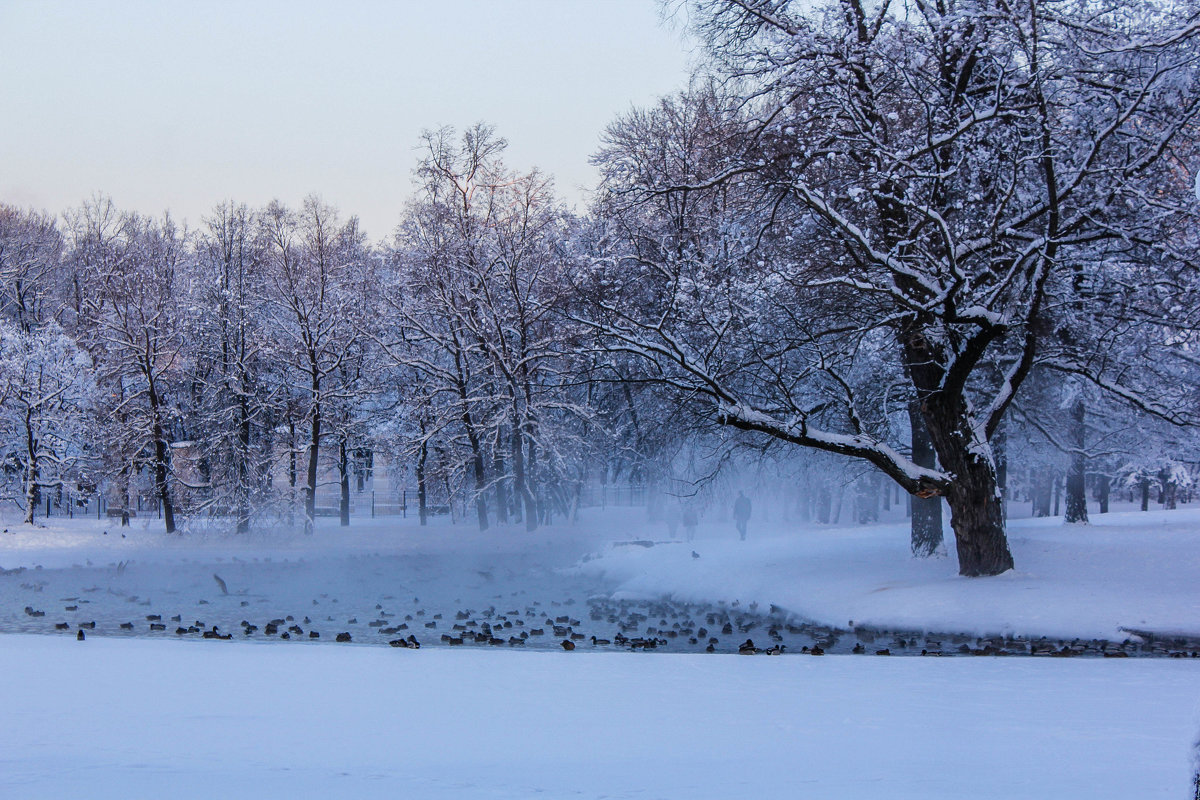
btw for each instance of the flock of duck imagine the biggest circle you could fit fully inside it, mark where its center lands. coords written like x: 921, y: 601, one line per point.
x: 632, y: 625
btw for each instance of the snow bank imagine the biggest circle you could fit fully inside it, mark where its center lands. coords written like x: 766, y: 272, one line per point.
x: 137, y: 718
x: 1129, y: 570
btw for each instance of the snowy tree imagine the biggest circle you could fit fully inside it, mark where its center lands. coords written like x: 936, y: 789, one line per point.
x: 926, y: 188
x: 46, y: 392
x: 232, y: 408
x: 130, y: 319
x: 478, y: 292
x: 317, y: 274
x: 30, y: 267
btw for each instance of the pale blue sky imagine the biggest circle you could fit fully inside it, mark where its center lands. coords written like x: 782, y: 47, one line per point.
x: 180, y: 105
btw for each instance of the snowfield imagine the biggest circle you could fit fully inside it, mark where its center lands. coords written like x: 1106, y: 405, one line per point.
x: 109, y: 718
x: 135, y: 713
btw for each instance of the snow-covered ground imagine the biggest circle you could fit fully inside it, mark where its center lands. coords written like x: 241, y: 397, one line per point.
x: 136, y: 713
x: 1125, y: 571
x: 112, y: 718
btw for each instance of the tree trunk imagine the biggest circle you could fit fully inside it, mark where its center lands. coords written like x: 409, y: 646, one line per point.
x: 1057, y: 495
x: 520, y: 479
x: 866, y: 500
x: 291, y: 470
x: 1166, y: 490
x: 824, y: 504
x: 480, y: 472
x: 531, y: 486
x: 978, y: 523
x: 476, y: 456
x: 162, y: 454
x: 422, y: 493
x: 31, y: 468
x: 1076, y: 508
x: 1102, y: 484
x: 310, y: 486
x: 499, y: 470
x: 974, y: 495
x: 1043, y: 491
x: 243, y: 461
x: 1145, y: 485
x: 344, y: 475
x: 926, y: 522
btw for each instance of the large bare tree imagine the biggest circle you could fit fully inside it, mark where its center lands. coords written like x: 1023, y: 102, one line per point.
x: 923, y: 193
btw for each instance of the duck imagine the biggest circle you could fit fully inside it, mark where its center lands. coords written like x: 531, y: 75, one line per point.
x: 747, y: 648
x: 567, y: 644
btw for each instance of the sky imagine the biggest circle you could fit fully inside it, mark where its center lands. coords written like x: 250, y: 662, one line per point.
x: 169, y: 105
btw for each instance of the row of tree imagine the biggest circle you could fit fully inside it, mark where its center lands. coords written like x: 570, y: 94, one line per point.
x: 929, y: 239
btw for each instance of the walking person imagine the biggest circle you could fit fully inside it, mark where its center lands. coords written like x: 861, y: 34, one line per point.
x: 673, y: 517
x: 689, y: 523
x: 741, y: 513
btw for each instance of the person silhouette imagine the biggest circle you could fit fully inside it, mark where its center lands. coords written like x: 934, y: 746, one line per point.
x: 690, y: 522
x: 741, y: 513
